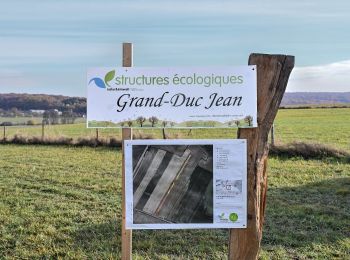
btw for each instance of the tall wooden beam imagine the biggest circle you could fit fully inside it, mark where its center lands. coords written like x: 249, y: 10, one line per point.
x: 126, y: 135
x: 272, y: 77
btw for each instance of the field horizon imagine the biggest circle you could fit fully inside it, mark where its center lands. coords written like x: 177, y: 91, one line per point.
x: 328, y: 126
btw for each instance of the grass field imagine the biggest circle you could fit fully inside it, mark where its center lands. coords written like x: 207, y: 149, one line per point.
x: 329, y: 126
x: 59, y: 202
x: 65, y: 202
x: 25, y: 119
x: 80, y: 130
x: 21, y: 119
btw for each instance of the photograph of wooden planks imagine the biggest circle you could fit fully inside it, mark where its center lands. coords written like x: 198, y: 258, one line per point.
x: 172, y: 184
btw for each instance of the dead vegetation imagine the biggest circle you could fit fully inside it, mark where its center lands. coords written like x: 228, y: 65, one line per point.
x: 294, y: 149
x: 62, y: 140
x: 82, y: 141
x: 308, y: 150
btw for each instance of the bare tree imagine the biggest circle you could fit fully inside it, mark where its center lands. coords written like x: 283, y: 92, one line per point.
x: 153, y: 120
x: 164, y: 123
x: 129, y: 122
x: 51, y: 116
x: 68, y: 117
x: 211, y: 123
x: 46, y: 117
x: 15, y: 112
x: 237, y: 123
x: 141, y: 120
x: 249, y: 120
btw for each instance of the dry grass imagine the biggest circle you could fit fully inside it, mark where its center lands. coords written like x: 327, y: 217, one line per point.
x: 308, y: 150
x: 301, y: 149
x: 140, y: 135
x: 82, y: 141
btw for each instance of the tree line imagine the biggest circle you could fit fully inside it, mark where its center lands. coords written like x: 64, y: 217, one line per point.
x: 49, y: 117
x: 53, y: 117
x: 142, y: 120
x: 25, y: 102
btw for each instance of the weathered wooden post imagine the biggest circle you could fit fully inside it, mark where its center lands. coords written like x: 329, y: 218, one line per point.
x: 42, y: 130
x: 164, y: 134
x: 272, y: 76
x: 96, y: 134
x: 4, y: 138
x: 126, y: 135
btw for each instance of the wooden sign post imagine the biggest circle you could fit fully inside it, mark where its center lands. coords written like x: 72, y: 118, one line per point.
x: 126, y: 135
x: 272, y: 77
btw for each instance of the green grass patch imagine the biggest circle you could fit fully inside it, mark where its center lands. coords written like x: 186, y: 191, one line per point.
x: 24, y: 119
x: 65, y: 202
x: 327, y: 126
x: 21, y: 119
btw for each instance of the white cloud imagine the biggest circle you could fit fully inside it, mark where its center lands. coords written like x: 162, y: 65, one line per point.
x: 333, y: 77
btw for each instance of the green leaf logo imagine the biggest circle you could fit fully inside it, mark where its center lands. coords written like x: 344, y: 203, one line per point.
x: 109, y: 77
x: 233, y: 217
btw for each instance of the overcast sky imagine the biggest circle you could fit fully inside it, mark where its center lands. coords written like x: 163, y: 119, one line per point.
x: 46, y: 46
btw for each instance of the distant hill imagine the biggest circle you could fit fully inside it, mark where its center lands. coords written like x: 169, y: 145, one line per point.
x: 315, y: 98
x: 25, y: 102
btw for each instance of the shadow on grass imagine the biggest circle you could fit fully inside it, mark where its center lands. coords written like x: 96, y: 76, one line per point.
x: 188, y: 244
x: 99, y: 239
x: 297, y: 219
x: 300, y: 217
x: 105, y: 240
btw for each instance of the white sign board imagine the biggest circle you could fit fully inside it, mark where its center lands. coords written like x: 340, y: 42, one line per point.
x: 178, y: 184
x: 172, y: 97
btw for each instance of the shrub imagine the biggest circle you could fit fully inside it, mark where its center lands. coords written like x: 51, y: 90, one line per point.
x: 308, y: 150
x: 6, y: 124
x: 113, y: 142
x: 31, y: 122
x: 142, y: 136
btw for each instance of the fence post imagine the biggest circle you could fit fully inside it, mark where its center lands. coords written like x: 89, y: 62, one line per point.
x: 96, y: 134
x: 42, y: 130
x: 272, y: 76
x: 126, y: 135
x: 4, y: 133
x: 164, y: 134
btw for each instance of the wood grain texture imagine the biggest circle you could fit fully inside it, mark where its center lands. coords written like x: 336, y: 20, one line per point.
x: 126, y: 234
x: 127, y: 54
x: 126, y: 135
x: 272, y: 76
